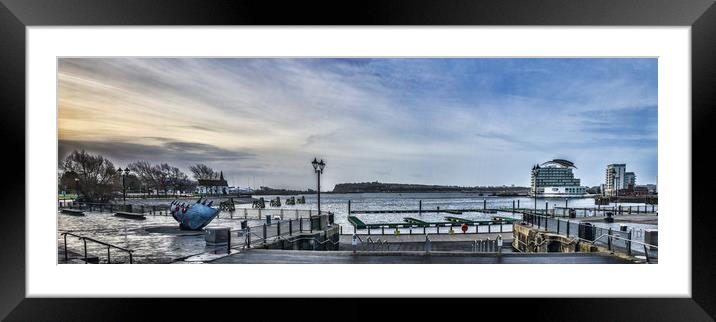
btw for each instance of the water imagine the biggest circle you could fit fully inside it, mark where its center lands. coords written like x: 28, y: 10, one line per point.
x: 166, y: 245
x: 338, y: 204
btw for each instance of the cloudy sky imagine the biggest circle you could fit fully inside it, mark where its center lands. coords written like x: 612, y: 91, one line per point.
x: 445, y: 121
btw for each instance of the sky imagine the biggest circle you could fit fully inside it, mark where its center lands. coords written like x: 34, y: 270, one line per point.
x: 447, y: 121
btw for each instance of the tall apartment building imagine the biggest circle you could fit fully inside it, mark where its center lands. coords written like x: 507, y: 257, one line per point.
x: 629, y: 180
x: 615, y: 179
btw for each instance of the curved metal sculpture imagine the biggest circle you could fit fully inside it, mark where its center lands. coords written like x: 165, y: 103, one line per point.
x: 193, y: 216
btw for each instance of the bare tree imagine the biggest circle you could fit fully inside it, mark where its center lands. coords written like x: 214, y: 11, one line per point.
x: 96, y: 175
x: 162, y: 176
x: 177, y: 179
x: 144, y: 172
x: 201, y: 171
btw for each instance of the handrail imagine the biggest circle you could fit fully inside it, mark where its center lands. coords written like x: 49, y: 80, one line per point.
x: 621, y: 238
x: 85, y: 239
x: 308, y: 238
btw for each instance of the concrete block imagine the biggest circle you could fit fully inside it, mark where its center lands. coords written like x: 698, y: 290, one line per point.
x: 651, y: 237
x: 217, y: 235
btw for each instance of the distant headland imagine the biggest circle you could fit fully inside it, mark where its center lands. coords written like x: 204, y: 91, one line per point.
x: 374, y: 187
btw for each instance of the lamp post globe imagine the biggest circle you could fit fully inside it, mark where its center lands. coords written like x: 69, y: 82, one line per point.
x: 318, y: 169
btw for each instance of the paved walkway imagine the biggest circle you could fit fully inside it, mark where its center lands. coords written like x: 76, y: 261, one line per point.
x: 639, y: 219
x: 256, y: 256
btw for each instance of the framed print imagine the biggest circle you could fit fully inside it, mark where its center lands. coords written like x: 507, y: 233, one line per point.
x: 483, y: 150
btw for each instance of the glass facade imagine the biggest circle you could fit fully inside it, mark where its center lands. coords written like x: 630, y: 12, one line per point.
x: 551, y: 174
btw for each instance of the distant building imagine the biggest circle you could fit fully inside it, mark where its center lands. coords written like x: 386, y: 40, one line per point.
x: 214, y: 185
x: 651, y: 188
x: 640, y: 191
x: 615, y: 179
x: 629, y: 180
x: 555, y: 178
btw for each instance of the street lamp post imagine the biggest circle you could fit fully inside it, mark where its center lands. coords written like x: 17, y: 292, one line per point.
x: 124, y: 173
x: 318, y: 168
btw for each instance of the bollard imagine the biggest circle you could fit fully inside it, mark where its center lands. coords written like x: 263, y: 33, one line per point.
x: 609, y: 239
x: 248, y: 237
x: 382, y: 230
x: 354, y: 243
x: 567, y: 228
x: 264, y: 233
x: 499, y: 244
x: 65, y: 247
x: 85, y: 241
x: 558, y: 226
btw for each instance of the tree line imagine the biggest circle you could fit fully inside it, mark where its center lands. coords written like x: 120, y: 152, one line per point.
x: 95, y: 178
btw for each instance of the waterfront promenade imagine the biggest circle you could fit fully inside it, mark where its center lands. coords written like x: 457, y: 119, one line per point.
x: 263, y: 256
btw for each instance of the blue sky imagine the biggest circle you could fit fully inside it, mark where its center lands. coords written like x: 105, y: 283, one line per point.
x: 468, y: 122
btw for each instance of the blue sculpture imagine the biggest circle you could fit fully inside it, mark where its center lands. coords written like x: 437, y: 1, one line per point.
x: 193, y: 216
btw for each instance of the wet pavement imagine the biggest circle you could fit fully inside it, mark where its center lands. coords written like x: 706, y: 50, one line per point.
x: 256, y: 256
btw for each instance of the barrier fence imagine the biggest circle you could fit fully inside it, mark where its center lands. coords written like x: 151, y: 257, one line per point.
x: 434, y: 229
x: 628, y: 241
x: 163, y: 210
x: 274, y: 229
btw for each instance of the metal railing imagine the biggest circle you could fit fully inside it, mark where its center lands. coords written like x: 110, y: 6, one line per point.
x: 616, y: 240
x: 314, y: 239
x: 277, y: 229
x: 487, y: 245
x: 85, y: 239
x: 436, y: 229
x: 274, y: 213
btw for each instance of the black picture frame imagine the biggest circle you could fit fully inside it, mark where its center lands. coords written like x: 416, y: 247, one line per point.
x: 16, y: 15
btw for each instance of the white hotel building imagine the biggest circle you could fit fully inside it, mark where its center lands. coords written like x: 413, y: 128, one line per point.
x: 555, y: 179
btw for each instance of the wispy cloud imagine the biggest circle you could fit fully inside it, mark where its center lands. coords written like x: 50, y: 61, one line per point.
x: 443, y: 121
